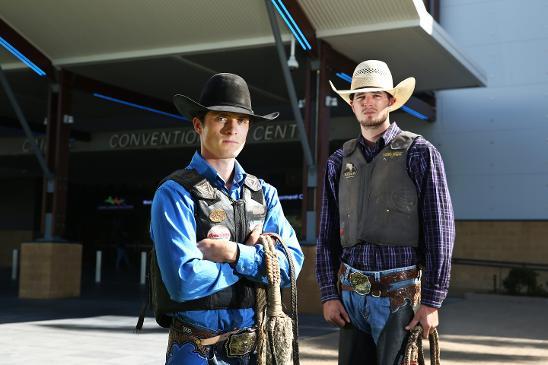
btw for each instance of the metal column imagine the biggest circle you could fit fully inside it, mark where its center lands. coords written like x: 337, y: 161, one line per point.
x: 54, y: 195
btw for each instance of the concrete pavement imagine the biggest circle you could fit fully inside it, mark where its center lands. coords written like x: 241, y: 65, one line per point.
x: 479, y: 329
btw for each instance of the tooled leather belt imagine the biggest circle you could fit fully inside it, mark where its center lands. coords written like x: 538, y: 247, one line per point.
x: 237, y: 343
x: 364, y: 284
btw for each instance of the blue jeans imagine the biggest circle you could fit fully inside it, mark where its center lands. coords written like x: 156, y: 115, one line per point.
x: 368, y: 313
x: 187, y: 354
x: 376, y: 317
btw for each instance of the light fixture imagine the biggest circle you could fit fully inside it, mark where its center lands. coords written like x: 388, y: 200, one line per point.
x: 293, y: 27
x: 123, y: 102
x: 22, y: 57
x: 292, y: 61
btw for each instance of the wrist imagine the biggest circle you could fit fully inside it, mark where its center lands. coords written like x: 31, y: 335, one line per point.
x: 233, y: 252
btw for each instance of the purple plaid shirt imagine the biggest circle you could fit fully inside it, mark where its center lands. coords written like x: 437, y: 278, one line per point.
x: 425, y: 167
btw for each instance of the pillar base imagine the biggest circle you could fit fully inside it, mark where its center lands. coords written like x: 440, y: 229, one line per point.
x: 50, y: 270
x: 309, y: 292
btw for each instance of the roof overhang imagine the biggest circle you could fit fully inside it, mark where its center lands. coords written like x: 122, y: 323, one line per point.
x: 401, y: 32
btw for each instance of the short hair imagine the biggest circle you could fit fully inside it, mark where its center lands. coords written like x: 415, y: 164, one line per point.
x: 200, y: 115
x: 386, y: 92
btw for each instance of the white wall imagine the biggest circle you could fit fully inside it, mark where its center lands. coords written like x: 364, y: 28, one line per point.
x: 494, y: 140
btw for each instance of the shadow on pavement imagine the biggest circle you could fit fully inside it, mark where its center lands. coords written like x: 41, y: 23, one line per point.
x: 478, y: 358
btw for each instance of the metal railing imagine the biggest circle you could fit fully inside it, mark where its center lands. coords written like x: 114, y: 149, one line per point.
x: 500, y: 264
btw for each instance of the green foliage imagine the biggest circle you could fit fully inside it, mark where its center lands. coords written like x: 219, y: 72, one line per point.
x: 522, y: 281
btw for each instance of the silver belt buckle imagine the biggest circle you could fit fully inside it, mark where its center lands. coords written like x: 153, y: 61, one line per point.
x: 241, y: 343
x: 360, y: 283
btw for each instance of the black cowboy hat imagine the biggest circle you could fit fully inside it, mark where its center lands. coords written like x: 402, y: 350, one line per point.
x: 222, y: 92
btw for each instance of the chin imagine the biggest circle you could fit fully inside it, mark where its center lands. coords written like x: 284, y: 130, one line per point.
x: 232, y: 154
x: 371, y: 123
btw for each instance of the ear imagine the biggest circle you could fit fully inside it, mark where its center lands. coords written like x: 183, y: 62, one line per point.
x: 197, y: 124
x: 352, y: 104
x: 392, y: 101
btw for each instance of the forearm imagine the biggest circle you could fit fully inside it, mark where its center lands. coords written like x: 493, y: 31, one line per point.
x: 197, y: 279
x: 437, y: 272
x: 251, y: 261
x: 186, y: 275
x: 328, y: 255
x: 251, y: 257
x: 437, y: 221
x: 328, y: 247
x: 326, y: 274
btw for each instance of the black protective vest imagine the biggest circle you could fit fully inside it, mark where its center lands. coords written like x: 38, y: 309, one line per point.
x: 378, y: 201
x: 213, y: 208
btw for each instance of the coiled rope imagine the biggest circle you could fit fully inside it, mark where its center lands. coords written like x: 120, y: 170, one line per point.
x: 277, y: 332
x: 414, y: 352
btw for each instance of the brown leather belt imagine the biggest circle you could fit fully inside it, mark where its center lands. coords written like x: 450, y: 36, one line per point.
x: 237, y: 342
x: 364, y: 284
x: 190, y: 330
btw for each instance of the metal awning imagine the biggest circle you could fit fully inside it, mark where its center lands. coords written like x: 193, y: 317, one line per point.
x: 402, y: 33
x: 81, y: 33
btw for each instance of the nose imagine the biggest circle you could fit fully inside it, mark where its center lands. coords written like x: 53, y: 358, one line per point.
x: 230, y: 126
x: 368, y: 100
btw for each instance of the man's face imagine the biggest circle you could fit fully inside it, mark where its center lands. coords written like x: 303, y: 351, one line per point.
x: 222, y: 134
x: 371, y: 108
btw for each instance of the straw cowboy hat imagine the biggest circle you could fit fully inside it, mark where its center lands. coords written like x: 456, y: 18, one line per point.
x: 373, y: 75
x: 223, y: 92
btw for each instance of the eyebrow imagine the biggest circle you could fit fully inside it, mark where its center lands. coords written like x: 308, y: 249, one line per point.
x: 234, y: 115
x: 357, y: 95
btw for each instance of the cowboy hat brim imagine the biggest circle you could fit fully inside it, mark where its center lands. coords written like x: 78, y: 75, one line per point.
x: 402, y: 92
x: 188, y: 108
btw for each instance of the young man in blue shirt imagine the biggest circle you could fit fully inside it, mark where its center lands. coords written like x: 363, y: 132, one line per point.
x: 206, y: 220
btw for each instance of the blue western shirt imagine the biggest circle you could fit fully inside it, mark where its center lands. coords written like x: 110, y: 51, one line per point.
x: 186, y: 274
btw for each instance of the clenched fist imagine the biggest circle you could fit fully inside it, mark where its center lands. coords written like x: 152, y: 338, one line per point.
x: 219, y: 250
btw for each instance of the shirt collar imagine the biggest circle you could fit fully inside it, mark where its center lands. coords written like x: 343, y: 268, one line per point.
x: 389, y: 134
x: 201, y: 166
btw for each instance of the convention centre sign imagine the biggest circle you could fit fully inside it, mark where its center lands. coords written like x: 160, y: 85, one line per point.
x: 275, y: 132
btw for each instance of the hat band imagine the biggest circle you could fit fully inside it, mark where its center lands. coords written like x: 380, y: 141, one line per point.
x: 371, y: 87
x: 233, y: 105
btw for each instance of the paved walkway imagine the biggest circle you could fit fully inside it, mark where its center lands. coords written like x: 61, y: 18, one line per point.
x: 478, y: 329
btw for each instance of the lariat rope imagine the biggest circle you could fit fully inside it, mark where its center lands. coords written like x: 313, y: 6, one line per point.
x: 277, y: 332
x: 413, y: 351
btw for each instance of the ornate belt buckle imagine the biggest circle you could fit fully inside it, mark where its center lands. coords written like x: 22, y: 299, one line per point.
x: 241, y: 343
x: 360, y: 283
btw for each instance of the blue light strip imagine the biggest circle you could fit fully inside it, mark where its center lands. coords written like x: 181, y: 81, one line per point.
x: 414, y: 113
x: 295, y: 25
x: 297, y: 31
x: 22, y: 57
x: 101, y: 96
x: 344, y: 76
x: 289, y: 25
x: 405, y: 108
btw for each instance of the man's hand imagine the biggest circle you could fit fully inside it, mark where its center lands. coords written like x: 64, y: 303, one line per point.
x: 219, y: 250
x: 334, y: 313
x: 428, y: 319
x: 254, y: 235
